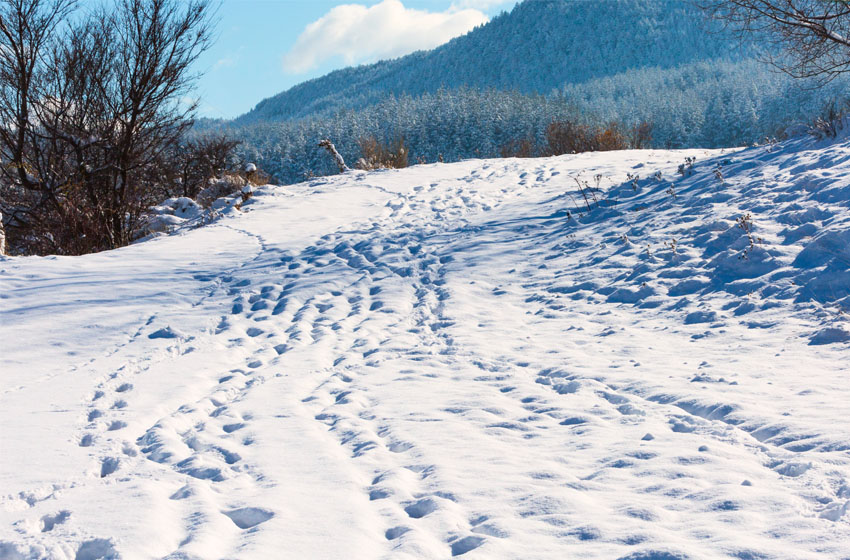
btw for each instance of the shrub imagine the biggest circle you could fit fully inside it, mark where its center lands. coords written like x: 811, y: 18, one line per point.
x: 197, y: 160
x: 570, y: 137
x: 612, y: 137
x: 227, y: 184
x: 377, y: 155
x: 831, y: 121
x: 641, y: 136
x: 524, y: 148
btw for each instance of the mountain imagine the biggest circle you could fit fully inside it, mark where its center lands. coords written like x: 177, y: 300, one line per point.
x: 540, y: 46
x: 624, y: 61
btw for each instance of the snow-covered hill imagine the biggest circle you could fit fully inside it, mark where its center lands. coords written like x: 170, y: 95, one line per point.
x: 449, y: 360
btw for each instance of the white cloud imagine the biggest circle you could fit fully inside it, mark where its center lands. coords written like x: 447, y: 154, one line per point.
x: 362, y: 34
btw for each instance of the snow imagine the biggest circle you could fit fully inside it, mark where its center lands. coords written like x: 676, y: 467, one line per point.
x: 171, y: 214
x: 448, y: 360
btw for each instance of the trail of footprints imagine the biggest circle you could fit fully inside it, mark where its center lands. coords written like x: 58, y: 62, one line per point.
x: 691, y: 413
x: 405, y: 486
x: 622, y: 402
x: 352, y: 307
x: 179, y: 440
x: 104, y: 417
x: 343, y: 290
x: 104, y: 431
x: 202, y: 440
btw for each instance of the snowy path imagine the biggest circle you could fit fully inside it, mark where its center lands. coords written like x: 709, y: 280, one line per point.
x: 448, y: 360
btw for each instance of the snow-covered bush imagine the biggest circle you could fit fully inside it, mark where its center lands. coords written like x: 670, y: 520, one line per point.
x: 170, y: 214
x: 831, y: 122
x: 226, y: 203
x: 180, y: 212
x: 219, y: 187
x: 247, y: 192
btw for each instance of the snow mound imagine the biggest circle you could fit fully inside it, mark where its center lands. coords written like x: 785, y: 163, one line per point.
x: 176, y: 214
x: 172, y: 213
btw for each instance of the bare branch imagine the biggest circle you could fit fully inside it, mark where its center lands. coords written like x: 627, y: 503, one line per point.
x: 812, y: 35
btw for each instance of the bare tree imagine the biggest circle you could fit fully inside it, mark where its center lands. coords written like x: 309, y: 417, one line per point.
x: 96, y: 107
x: 26, y: 30
x: 810, y: 38
x: 160, y: 41
x: 199, y: 159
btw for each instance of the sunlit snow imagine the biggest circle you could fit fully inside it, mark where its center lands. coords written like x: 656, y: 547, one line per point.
x: 449, y: 360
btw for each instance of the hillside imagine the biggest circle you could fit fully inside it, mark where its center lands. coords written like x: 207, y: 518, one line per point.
x: 623, y: 61
x: 471, y: 359
x: 538, y: 47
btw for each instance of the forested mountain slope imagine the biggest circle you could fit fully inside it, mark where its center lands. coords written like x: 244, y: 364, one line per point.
x: 538, y: 47
x: 625, y: 61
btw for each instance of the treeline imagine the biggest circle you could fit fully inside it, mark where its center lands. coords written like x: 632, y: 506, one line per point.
x: 705, y: 104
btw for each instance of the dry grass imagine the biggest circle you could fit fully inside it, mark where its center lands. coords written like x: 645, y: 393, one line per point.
x: 377, y: 155
x: 570, y: 137
x: 525, y: 148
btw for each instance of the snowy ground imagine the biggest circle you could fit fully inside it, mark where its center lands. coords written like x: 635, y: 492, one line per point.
x: 449, y: 360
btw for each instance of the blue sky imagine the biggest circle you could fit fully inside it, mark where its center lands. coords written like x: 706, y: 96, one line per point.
x: 267, y: 46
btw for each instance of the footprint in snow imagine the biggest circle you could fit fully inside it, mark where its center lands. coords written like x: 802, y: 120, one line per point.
x: 108, y: 466
x: 395, y: 532
x: 466, y: 544
x: 49, y: 521
x: 166, y: 332
x: 96, y: 548
x: 246, y: 518
x: 421, y: 508
x: 399, y: 446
